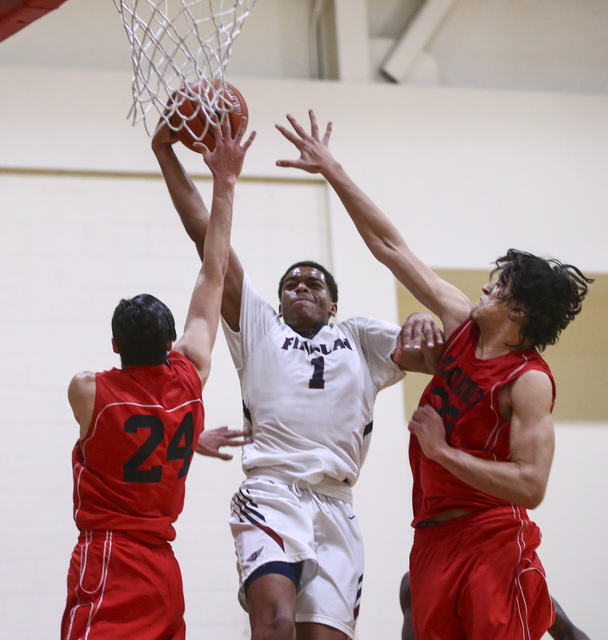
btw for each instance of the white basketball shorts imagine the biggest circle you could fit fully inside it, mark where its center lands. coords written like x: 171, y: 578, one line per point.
x: 273, y: 521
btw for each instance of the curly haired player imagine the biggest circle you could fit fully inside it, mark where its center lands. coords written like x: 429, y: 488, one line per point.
x: 482, y: 437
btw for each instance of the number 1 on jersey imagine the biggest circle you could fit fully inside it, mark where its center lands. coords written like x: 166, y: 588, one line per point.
x: 317, y: 381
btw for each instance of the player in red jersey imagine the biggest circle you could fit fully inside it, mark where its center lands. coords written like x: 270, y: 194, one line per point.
x: 482, y: 438
x: 562, y: 628
x: 138, y: 428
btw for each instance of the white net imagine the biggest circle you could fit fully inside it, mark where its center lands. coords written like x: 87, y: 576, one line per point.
x: 176, y: 43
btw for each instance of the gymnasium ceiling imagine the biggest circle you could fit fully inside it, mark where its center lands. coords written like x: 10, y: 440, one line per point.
x: 521, y: 45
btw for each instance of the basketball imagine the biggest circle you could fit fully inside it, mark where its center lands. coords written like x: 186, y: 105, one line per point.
x: 190, y: 119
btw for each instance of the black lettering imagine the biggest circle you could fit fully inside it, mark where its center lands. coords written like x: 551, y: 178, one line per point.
x: 317, y: 381
x: 448, y: 412
x: 132, y: 471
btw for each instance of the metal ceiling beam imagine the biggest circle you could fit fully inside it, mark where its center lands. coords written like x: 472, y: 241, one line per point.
x: 402, y: 57
x: 340, y: 34
x: 352, y: 39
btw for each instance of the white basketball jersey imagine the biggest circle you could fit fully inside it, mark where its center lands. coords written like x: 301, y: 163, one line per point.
x: 309, y: 401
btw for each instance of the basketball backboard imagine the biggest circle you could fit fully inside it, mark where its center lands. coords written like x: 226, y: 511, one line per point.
x: 17, y: 14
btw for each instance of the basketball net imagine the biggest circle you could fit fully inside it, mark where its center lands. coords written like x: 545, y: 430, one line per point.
x: 176, y: 42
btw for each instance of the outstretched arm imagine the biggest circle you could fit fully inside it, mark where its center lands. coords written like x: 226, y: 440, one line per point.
x: 195, y: 216
x: 378, y: 232
x: 225, y: 163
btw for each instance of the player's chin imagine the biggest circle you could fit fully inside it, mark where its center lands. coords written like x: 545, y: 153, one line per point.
x: 304, y: 320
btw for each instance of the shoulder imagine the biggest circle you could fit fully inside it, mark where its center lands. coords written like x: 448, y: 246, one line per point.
x: 184, y: 367
x: 82, y: 384
x: 531, y: 392
x: 534, y: 381
x: 255, y: 308
x: 81, y: 396
x: 180, y: 362
x: 369, y: 325
x: 536, y: 374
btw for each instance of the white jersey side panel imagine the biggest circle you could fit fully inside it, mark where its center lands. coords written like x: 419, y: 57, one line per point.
x: 310, y: 401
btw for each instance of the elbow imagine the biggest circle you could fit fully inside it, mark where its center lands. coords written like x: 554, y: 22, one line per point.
x: 533, y: 494
x: 385, y: 252
x: 532, y: 501
x: 536, y: 498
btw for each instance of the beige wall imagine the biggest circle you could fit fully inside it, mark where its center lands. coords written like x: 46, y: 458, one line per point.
x: 85, y: 220
x: 577, y: 361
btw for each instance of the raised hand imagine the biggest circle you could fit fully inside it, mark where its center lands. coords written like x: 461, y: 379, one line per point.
x: 315, y: 155
x: 420, y: 329
x: 163, y: 135
x: 228, y: 156
x: 421, y: 332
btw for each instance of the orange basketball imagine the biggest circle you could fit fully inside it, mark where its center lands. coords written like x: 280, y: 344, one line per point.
x: 190, y: 119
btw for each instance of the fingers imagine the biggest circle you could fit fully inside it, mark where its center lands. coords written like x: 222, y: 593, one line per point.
x: 202, y: 148
x: 438, y: 333
x: 249, y: 140
x: 399, y: 348
x: 314, y: 129
x: 163, y: 134
x: 292, y: 137
x: 327, y: 133
x: 410, y: 335
x: 293, y: 164
x: 420, y: 328
x: 223, y: 133
x: 240, y: 132
x: 298, y: 128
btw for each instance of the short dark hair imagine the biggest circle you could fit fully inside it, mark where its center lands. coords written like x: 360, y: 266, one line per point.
x: 548, y: 292
x: 329, y: 279
x: 142, y: 327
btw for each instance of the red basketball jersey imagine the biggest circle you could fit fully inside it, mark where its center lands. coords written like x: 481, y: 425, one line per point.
x: 130, y: 469
x: 464, y: 391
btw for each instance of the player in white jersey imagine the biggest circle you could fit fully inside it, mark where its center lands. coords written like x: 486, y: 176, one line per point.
x: 310, y: 398
x: 308, y: 391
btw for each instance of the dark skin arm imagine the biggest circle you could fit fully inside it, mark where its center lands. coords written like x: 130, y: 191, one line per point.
x: 195, y: 217
x: 420, y: 344
x: 212, y: 440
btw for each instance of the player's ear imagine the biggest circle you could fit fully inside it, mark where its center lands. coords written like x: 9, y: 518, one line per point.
x: 517, y: 315
x: 333, y: 309
x: 169, y: 346
x: 280, y: 311
x: 115, y: 347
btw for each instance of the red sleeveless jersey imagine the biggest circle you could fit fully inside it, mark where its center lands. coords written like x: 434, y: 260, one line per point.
x: 130, y: 469
x: 464, y: 391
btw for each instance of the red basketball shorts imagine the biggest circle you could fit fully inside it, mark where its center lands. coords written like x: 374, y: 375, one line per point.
x: 119, y: 587
x: 479, y: 578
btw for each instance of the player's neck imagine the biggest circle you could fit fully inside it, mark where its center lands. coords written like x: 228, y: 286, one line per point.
x: 310, y: 333
x: 495, y: 343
